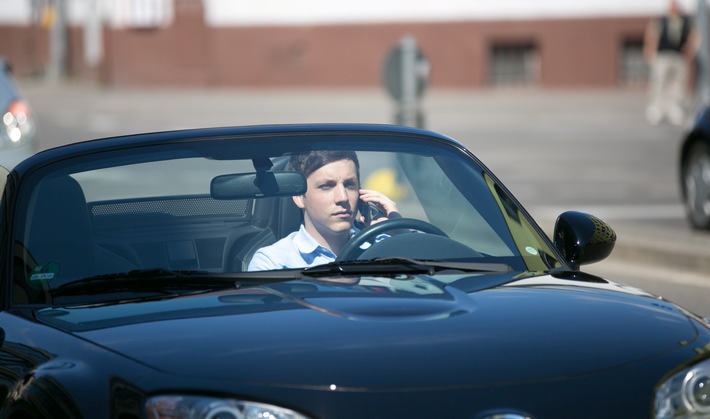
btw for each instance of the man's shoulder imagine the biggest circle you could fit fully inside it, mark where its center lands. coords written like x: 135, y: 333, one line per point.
x: 274, y: 256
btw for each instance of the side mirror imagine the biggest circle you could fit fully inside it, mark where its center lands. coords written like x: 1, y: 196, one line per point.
x: 583, y: 238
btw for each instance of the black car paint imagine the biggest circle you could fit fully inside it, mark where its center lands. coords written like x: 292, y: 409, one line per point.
x: 698, y: 133
x: 306, y: 350
x: 698, y: 136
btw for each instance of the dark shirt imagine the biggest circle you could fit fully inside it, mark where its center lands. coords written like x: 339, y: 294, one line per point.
x: 670, y: 39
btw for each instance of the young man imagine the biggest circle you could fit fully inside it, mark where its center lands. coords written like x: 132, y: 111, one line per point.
x: 329, y: 211
x: 670, y: 46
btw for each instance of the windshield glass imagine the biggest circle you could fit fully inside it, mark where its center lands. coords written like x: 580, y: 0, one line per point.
x: 234, y: 205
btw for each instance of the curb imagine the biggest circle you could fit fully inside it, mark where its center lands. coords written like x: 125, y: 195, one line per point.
x: 668, y: 248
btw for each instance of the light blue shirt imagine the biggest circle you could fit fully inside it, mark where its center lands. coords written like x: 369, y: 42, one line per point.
x: 297, y: 250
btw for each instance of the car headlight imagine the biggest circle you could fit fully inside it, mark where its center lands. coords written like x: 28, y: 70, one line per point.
x: 196, y: 407
x: 685, y: 394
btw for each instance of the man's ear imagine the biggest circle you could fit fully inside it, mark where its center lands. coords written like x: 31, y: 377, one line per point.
x: 298, y: 200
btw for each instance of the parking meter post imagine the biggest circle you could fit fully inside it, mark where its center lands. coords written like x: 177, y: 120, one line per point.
x: 56, y: 13
x: 405, y: 77
x: 408, y: 101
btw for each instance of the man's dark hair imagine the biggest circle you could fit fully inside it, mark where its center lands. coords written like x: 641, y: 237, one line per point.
x: 310, y: 162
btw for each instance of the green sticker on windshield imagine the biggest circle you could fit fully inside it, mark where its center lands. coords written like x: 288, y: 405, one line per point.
x: 44, y: 272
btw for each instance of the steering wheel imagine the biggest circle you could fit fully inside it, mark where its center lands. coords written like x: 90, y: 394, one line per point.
x: 352, y: 249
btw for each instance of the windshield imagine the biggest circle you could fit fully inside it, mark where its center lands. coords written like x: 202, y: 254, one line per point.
x: 212, y: 206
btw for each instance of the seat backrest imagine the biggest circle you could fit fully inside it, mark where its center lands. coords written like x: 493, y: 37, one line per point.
x: 288, y: 218
x: 276, y: 218
x: 244, y: 249
x: 60, y: 228
x: 281, y: 215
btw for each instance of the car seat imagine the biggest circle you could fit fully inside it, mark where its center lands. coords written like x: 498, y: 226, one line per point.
x: 274, y: 219
x: 60, y: 237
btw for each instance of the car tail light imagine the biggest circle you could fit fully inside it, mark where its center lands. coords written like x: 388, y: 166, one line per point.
x: 18, y: 122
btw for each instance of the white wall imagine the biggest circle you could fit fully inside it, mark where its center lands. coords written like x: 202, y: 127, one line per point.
x: 15, y: 12
x: 260, y: 12
x: 256, y: 12
x: 116, y: 12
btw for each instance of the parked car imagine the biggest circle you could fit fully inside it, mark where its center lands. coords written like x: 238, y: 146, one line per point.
x: 18, y: 133
x: 126, y: 291
x: 694, y: 164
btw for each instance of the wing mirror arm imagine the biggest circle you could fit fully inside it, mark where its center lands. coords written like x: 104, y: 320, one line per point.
x: 583, y: 238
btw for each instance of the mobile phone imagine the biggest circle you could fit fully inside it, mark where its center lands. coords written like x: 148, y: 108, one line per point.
x: 370, y: 211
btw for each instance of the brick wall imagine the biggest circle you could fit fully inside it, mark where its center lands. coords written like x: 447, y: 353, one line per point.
x: 573, y: 52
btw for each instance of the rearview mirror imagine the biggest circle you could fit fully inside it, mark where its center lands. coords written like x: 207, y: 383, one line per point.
x: 258, y: 185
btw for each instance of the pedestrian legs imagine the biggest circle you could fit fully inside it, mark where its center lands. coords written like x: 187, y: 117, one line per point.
x: 667, y: 89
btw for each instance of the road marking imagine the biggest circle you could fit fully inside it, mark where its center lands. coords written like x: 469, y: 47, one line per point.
x: 617, y: 271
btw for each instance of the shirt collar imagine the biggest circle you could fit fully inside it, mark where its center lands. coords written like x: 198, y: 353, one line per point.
x: 306, y: 244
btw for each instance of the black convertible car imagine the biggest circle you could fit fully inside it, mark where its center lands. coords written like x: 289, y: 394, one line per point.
x: 127, y: 290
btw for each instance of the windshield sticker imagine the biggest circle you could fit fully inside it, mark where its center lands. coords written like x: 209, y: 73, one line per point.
x: 44, y: 272
x: 531, y: 250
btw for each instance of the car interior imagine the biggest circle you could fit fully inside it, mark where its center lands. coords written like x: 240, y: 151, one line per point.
x: 68, y: 238
x: 73, y: 240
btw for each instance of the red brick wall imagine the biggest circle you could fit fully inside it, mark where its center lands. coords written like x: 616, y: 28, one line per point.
x: 176, y: 55
x: 573, y: 52
x: 26, y: 47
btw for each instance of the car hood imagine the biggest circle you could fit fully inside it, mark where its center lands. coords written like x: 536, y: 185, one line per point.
x: 415, y: 333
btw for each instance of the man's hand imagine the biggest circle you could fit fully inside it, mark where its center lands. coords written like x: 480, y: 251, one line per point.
x: 388, y: 206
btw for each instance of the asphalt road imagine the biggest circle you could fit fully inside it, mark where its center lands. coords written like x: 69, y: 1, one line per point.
x: 555, y: 150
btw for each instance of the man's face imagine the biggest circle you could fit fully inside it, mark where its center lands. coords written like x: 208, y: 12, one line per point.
x: 330, y: 203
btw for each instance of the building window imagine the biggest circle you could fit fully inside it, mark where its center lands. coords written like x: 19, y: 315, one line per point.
x: 633, y: 69
x: 514, y: 64
x: 141, y: 14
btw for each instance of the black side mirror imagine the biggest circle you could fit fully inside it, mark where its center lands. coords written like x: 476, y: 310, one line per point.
x: 583, y: 238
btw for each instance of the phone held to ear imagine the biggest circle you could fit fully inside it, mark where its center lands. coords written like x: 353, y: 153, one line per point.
x: 371, y: 211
